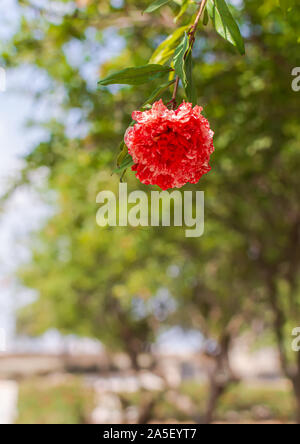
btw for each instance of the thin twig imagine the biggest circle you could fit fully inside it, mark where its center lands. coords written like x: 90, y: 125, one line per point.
x: 196, y: 23
x: 173, y: 101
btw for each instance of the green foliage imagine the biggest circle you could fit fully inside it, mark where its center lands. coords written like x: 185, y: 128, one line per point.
x: 69, y: 402
x: 286, y: 5
x: 225, y: 24
x: 166, y: 49
x: 156, y: 5
x: 184, y: 6
x: 244, y: 404
x: 126, y: 163
x: 135, y: 76
x: 190, y: 88
x: 179, y: 59
x: 157, y: 93
x: 205, y: 17
x: 123, y: 153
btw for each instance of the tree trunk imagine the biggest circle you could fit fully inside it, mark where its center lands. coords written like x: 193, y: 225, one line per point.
x: 296, y: 386
x: 279, y: 322
x: 215, y: 392
x: 298, y: 407
x: 134, y: 360
x: 146, y: 409
x: 220, y: 379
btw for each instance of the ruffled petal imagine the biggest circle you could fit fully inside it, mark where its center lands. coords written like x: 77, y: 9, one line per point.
x: 170, y: 148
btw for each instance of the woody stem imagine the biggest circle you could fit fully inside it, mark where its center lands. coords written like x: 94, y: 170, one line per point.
x: 175, y: 92
x: 191, y: 44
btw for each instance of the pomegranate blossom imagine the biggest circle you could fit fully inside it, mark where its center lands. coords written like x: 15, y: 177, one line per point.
x: 170, y: 147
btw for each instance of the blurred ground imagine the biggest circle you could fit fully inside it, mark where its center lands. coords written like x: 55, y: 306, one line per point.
x: 8, y: 401
x: 103, y: 389
x: 73, y: 400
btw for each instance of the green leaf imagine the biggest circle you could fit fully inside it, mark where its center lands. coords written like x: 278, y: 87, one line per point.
x: 123, y: 153
x: 179, y: 59
x: 190, y: 89
x: 136, y: 76
x: 166, y: 49
x: 126, y: 163
x: 225, y: 24
x: 184, y: 7
x: 158, y: 92
x: 205, y: 17
x: 156, y: 5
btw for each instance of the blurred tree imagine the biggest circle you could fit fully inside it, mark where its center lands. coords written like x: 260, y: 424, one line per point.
x: 256, y: 111
x: 86, y: 278
x: 217, y: 298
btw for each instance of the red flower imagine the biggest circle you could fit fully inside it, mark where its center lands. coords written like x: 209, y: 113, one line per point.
x: 170, y: 148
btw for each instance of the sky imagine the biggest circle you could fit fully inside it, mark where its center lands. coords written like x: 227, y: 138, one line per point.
x: 25, y: 211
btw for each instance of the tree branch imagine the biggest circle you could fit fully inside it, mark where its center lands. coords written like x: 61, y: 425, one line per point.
x: 192, y: 34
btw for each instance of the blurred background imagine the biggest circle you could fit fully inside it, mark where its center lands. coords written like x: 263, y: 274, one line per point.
x: 140, y: 325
